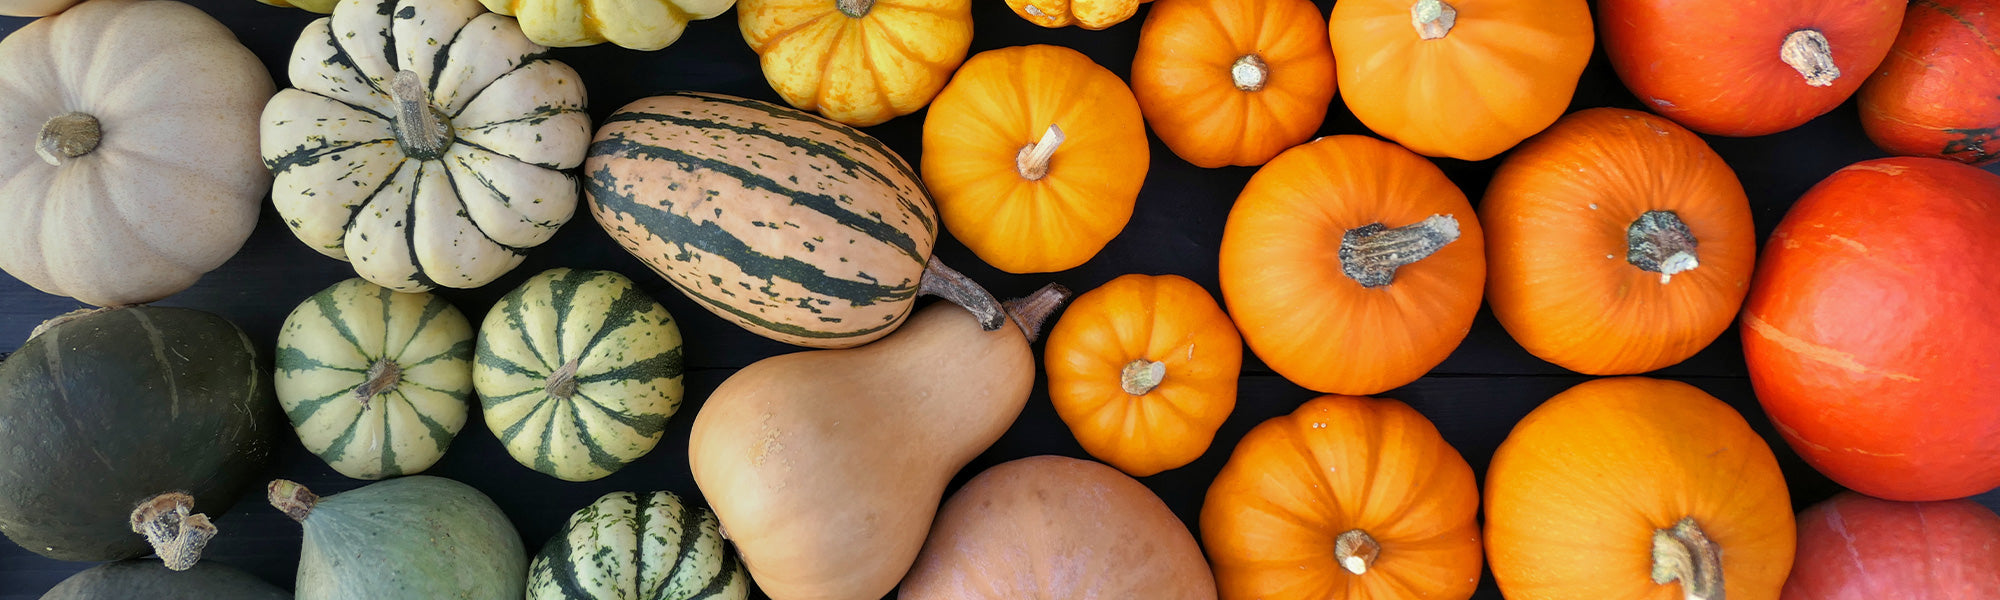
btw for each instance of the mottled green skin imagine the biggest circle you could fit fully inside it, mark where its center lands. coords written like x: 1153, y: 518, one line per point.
x: 416, y: 537
x: 147, y: 579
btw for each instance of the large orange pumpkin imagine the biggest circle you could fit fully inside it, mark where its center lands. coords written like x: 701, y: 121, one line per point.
x: 1639, y: 489
x: 1351, y: 498
x: 1938, y: 93
x: 1870, y: 329
x: 1466, y: 79
x: 1616, y: 242
x: 1352, y: 266
x: 1233, y: 82
x: 1729, y: 67
x: 860, y: 62
x: 1088, y: 14
x: 1143, y: 370
x: 1035, y: 156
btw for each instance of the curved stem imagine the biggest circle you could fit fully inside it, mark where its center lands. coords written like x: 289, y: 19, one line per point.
x: 67, y: 136
x: 1033, y: 160
x: 1356, y: 551
x: 1140, y: 376
x: 1249, y: 72
x: 176, y: 532
x: 1371, y: 254
x: 383, y: 376
x: 854, y: 8
x: 1659, y: 242
x: 562, y: 383
x: 1808, y: 51
x: 423, y: 132
x: 1032, y: 311
x: 943, y: 282
x: 1432, y: 18
x: 1684, y: 553
x: 291, y: 498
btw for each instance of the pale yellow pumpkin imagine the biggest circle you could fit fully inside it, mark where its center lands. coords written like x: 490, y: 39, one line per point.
x: 635, y: 24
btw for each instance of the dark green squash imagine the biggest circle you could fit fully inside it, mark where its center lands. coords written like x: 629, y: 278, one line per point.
x: 161, y: 409
x: 147, y: 579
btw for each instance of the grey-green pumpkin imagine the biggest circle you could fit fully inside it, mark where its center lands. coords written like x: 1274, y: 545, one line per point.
x: 628, y: 546
x: 411, y: 537
x: 147, y: 579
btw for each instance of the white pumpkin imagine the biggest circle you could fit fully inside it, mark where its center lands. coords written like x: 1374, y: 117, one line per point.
x: 426, y: 141
x: 128, y: 164
x: 635, y: 24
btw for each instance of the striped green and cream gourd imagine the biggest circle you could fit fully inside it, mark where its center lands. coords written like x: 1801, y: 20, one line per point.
x: 375, y: 381
x: 797, y: 228
x: 628, y: 546
x: 578, y: 372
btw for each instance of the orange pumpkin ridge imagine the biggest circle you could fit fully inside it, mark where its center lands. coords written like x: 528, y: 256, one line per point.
x: 1233, y: 82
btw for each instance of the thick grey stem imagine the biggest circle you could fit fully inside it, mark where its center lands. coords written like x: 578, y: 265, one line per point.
x: 176, y: 532
x: 1249, y: 73
x: 1432, y: 18
x: 423, y: 131
x: 1371, y: 254
x: 383, y: 376
x: 1811, y: 54
x: 1033, y: 160
x: 854, y: 8
x: 291, y: 498
x: 562, y: 383
x: 1659, y: 242
x: 1684, y: 553
x: 1356, y: 551
x: 1140, y: 376
x: 67, y: 136
x: 1032, y: 311
x: 943, y: 282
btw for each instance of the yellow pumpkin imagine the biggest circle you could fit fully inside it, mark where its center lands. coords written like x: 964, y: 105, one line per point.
x: 1088, y: 14
x: 860, y: 62
x: 635, y: 24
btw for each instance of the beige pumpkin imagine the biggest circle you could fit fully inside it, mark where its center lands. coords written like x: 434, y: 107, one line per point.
x: 128, y: 150
x: 33, y: 8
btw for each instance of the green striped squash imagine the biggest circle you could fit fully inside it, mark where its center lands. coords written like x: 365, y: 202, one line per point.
x: 375, y: 381
x: 628, y: 546
x: 578, y: 372
x: 800, y: 229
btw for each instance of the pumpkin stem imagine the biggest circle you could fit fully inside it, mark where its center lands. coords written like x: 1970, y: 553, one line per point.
x: 291, y: 498
x: 422, y: 130
x: 1371, y: 254
x: 1808, y: 51
x: 1356, y: 551
x: 1433, y: 18
x: 1030, y: 312
x: 1141, y: 376
x: 176, y: 532
x: 1659, y: 242
x: 854, y: 9
x: 1249, y: 72
x: 951, y: 285
x: 68, y: 135
x: 562, y: 383
x: 1683, y: 553
x: 383, y: 376
x: 1033, y: 160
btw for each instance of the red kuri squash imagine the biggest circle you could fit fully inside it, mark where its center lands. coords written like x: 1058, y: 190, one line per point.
x: 1853, y: 547
x: 1938, y: 93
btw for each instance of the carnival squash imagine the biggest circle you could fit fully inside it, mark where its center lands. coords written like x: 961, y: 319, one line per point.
x: 798, y: 229
x: 1725, y: 67
x: 1616, y: 242
x: 826, y: 467
x: 1853, y: 547
x: 126, y: 161
x: 1035, y: 155
x: 123, y: 430
x: 628, y: 546
x: 33, y: 8
x: 425, y: 142
x: 635, y: 24
x: 1088, y: 14
x: 1938, y: 92
x: 1229, y: 82
x: 1352, y: 266
x: 859, y: 62
x: 1057, y: 527
x: 148, y: 579
x: 410, y: 537
x: 1466, y: 79
x: 1869, y: 329
x: 1349, y: 498
x: 1636, y: 488
x: 375, y: 381
x: 1143, y: 371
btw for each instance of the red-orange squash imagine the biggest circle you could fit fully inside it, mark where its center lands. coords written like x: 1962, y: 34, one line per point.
x: 1349, y: 498
x: 1088, y: 14
x: 1616, y: 242
x: 1233, y: 82
x: 1853, y: 547
x: 1637, y: 489
x: 1351, y: 265
x: 1870, y: 329
x: 1143, y: 370
x: 1938, y: 93
x: 1728, y: 67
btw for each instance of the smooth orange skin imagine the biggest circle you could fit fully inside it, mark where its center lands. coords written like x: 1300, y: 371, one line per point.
x: 1338, y: 463
x: 1164, y: 318
x: 1282, y: 278
x: 1556, y: 216
x: 1506, y: 70
x: 1853, y: 547
x: 1088, y: 14
x: 1181, y: 74
x: 1870, y: 330
x: 1004, y: 100
x: 865, y: 71
x: 1577, y: 490
x: 1713, y: 65
x: 1938, y: 93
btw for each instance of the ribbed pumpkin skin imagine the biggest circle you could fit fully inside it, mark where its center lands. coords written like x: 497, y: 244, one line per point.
x: 108, y: 410
x: 326, y: 349
x: 628, y: 546
x: 635, y: 24
x: 1938, y: 92
x: 34, y: 8
x: 1088, y: 14
x: 411, y: 537
x: 857, y: 69
x: 799, y: 229
x: 1853, y: 547
x: 1182, y: 75
x: 1557, y: 215
x: 626, y: 379
x: 147, y: 579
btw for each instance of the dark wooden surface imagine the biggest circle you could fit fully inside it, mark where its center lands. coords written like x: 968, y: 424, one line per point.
x: 1475, y: 397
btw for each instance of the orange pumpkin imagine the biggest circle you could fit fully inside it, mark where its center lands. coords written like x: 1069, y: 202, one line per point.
x: 1143, y: 370
x: 860, y: 62
x: 1641, y: 489
x: 1351, y: 265
x: 1233, y: 82
x: 1035, y: 156
x: 1938, y: 92
x: 1346, y: 497
x: 1466, y: 79
x: 1617, y: 243
x: 1088, y: 14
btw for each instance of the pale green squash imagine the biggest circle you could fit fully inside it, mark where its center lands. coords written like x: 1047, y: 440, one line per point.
x: 417, y: 538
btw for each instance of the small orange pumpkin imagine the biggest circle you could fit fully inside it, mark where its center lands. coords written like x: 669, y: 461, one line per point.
x: 1143, y: 370
x: 1351, y: 265
x: 1233, y: 82
x: 1035, y: 156
x: 860, y: 62
x: 1617, y: 242
x: 1347, y: 497
x: 1637, y: 488
x: 1088, y: 14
